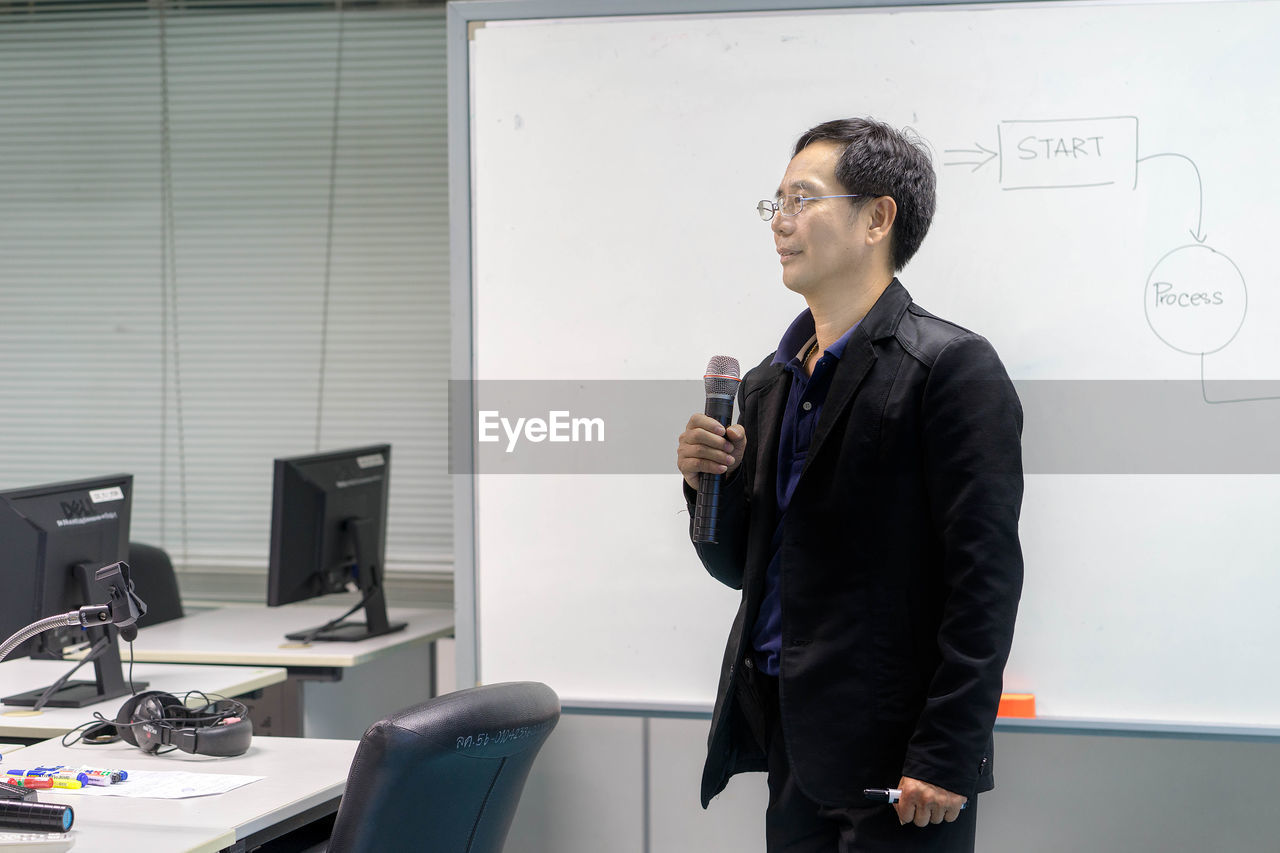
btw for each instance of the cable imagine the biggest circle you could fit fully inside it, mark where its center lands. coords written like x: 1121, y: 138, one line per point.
x: 133, y: 691
x: 95, y: 652
x: 205, y: 715
x: 169, y: 302
x: 164, y: 289
x: 328, y: 242
x: 77, y: 735
x: 334, y: 623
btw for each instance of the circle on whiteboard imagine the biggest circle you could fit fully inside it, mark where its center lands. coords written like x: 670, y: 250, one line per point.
x: 1195, y: 299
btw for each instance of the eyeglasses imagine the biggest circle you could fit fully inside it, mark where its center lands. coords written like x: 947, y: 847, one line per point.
x: 791, y: 205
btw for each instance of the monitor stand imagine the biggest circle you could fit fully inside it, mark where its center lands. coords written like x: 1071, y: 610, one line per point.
x: 360, y: 536
x: 108, y: 680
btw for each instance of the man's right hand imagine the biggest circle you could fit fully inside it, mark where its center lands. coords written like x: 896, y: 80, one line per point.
x: 707, y: 447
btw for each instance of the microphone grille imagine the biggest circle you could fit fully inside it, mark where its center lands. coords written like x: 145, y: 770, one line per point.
x: 722, y: 375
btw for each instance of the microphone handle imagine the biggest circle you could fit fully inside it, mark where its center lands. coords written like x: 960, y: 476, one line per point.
x: 706, y: 512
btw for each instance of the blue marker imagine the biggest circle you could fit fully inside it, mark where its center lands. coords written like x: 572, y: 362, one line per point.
x: 97, y: 776
x: 57, y: 772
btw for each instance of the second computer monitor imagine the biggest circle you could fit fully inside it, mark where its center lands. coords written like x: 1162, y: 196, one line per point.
x: 328, y: 532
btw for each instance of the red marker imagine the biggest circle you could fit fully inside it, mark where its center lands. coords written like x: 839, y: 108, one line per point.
x: 31, y: 781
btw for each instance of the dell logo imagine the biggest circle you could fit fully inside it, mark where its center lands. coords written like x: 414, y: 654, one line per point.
x: 75, y: 509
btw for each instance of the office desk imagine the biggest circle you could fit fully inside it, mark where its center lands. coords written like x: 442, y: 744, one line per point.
x: 335, y: 690
x: 304, y: 780
x: 254, y: 634
x: 23, y: 674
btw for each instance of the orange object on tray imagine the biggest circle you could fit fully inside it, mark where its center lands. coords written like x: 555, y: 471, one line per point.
x: 1017, y: 705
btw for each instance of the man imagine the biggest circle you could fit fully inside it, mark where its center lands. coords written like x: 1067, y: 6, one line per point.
x: 869, y: 514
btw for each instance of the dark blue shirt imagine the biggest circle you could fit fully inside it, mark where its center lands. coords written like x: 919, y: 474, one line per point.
x: 799, y: 419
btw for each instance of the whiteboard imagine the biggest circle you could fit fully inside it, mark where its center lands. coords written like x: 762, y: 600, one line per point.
x: 1107, y: 195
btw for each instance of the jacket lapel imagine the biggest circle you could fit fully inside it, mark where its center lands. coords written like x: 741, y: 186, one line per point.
x: 881, y: 322
x: 773, y: 401
x: 859, y: 355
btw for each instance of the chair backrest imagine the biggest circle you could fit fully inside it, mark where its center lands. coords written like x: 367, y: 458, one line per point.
x: 155, y: 582
x: 445, y: 776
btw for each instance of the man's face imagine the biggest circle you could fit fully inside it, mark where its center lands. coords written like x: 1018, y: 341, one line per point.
x: 818, y: 247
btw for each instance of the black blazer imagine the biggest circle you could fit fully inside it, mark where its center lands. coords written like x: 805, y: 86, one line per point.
x: 901, y: 568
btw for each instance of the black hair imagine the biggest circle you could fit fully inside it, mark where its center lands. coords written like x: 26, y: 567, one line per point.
x: 880, y: 160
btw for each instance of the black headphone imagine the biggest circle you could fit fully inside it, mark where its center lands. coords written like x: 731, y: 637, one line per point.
x: 154, y: 719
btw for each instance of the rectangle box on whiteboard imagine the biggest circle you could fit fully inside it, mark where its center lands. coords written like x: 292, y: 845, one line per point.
x: 1061, y: 153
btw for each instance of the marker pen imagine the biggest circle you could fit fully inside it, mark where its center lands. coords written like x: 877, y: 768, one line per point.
x: 71, y: 776
x: 886, y: 795
x: 113, y: 776
x: 85, y: 779
x: 91, y: 775
x: 69, y: 784
x: 54, y: 773
x: 31, y: 781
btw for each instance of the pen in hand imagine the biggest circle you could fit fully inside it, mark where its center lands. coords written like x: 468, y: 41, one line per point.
x: 886, y: 795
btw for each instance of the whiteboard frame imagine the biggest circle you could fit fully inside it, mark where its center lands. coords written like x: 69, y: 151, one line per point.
x: 462, y: 15
x: 1021, y: 725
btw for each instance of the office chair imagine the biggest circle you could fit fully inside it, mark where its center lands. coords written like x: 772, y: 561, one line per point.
x: 155, y: 582
x: 445, y: 776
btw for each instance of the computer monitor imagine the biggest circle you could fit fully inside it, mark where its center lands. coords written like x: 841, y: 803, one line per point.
x: 53, y: 539
x: 329, y: 531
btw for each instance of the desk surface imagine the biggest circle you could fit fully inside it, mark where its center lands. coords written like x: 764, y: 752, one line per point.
x: 24, y: 674
x: 300, y: 775
x: 254, y: 635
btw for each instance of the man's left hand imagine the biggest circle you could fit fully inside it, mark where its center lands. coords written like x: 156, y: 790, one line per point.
x: 923, y: 804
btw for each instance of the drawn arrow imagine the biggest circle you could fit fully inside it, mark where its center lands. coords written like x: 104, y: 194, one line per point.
x: 1204, y: 391
x: 973, y: 152
x: 1196, y: 234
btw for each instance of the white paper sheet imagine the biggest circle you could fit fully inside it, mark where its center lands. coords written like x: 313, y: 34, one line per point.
x: 169, y: 785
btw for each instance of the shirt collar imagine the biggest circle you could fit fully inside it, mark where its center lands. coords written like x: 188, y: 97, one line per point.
x: 799, y: 335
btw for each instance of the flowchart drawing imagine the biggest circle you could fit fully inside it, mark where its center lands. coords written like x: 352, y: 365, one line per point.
x: 1195, y: 299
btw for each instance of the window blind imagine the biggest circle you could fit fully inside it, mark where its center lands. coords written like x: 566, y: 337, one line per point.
x: 223, y: 239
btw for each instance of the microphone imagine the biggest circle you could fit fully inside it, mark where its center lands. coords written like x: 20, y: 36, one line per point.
x: 721, y: 381
x: 126, y: 606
